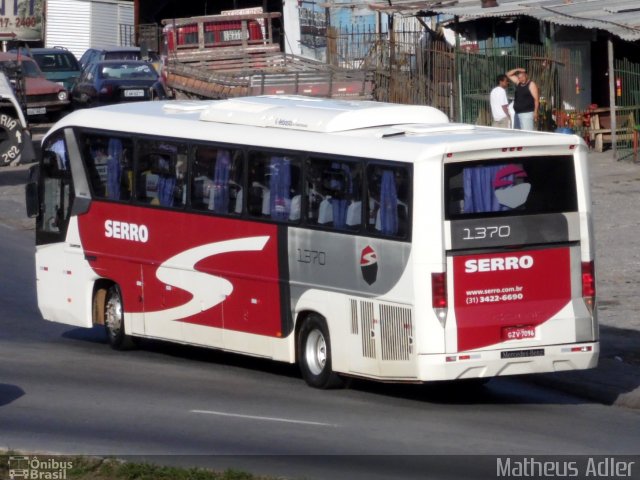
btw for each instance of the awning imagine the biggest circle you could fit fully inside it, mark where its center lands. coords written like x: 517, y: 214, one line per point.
x: 618, y: 17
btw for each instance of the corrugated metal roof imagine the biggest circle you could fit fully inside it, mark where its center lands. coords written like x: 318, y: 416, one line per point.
x: 619, y: 17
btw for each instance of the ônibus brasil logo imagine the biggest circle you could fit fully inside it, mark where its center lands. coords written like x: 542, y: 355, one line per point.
x: 26, y: 467
x: 369, y: 264
x: 510, y: 186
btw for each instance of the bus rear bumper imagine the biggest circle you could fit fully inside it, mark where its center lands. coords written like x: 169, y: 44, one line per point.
x: 497, y: 363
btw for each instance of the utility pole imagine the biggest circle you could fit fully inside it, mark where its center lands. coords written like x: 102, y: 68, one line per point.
x: 612, y: 99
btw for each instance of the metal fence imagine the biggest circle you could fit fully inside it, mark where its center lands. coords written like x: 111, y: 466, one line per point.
x: 127, y: 35
x: 416, y: 67
x: 627, y: 95
x: 410, y: 67
x: 554, y: 70
x: 354, y: 45
x: 149, y: 34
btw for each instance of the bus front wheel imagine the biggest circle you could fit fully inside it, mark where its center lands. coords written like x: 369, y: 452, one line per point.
x: 114, y: 321
x: 314, y: 354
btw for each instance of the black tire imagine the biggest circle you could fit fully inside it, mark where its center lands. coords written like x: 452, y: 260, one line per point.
x: 314, y: 354
x: 114, y: 321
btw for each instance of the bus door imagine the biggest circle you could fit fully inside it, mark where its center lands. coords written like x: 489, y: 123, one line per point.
x: 55, y: 270
x: 514, y: 254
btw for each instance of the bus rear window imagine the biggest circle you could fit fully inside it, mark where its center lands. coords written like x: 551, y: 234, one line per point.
x: 515, y: 186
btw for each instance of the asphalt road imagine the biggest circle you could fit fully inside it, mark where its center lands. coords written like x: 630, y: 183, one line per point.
x: 63, y: 390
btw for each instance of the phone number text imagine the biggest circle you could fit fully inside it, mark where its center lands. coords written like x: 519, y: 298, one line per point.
x: 20, y: 22
x: 505, y: 297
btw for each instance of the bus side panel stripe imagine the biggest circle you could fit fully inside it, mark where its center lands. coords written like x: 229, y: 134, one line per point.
x: 285, y: 286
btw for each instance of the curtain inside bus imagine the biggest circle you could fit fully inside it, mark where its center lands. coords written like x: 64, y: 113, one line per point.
x: 114, y: 168
x: 388, y: 204
x: 280, y: 188
x: 221, y: 182
x: 479, y: 193
x: 341, y: 186
x: 166, y: 187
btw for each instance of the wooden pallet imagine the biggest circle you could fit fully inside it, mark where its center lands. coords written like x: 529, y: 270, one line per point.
x: 601, y: 133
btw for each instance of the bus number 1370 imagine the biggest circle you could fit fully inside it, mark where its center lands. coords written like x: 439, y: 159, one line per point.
x: 479, y: 233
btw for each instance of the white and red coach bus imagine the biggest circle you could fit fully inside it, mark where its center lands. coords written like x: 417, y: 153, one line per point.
x: 355, y: 238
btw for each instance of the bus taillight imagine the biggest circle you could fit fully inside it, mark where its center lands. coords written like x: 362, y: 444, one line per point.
x: 588, y: 284
x: 439, y: 295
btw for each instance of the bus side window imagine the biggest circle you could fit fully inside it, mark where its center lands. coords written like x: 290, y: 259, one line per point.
x: 160, y: 172
x: 455, y: 198
x: 108, y: 162
x: 216, y: 183
x: 388, y: 200
x: 333, y: 194
x: 274, y: 187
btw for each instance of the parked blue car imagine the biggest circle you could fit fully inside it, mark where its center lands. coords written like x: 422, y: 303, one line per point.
x: 58, y: 65
x: 92, y: 55
x: 116, y: 81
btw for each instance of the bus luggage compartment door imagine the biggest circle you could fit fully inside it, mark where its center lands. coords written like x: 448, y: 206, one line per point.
x: 382, y: 339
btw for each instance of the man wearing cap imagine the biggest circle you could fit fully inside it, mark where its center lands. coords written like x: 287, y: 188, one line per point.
x: 527, y: 99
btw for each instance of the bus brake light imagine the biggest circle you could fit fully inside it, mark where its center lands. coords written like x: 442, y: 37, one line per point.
x: 439, y: 289
x: 581, y: 349
x: 439, y: 295
x: 588, y: 284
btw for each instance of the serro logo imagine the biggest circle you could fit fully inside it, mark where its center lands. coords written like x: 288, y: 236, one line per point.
x: 498, y: 263
x: 126, y: 231
x: 369, y: 264
x: 510, y: 186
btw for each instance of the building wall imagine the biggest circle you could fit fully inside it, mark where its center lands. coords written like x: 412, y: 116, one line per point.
x: 126, y: 17
x: 291, y: 20
x: 579, y: 40
x: 67, y: 25
x: 104, y: 24
x: 305, y: 23
x: 81, y: 24
x: 582, y: 82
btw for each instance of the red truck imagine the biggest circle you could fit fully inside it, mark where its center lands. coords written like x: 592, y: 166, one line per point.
x: 233, y: 55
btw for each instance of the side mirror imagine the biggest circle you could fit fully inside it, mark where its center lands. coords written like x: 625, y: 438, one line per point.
x: 31, y: 192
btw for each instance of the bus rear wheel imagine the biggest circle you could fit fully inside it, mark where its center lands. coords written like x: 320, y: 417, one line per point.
x: 314, y: 354
x: 114, y: 321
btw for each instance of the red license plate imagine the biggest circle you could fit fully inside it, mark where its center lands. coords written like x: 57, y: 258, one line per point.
x: 518, y: 333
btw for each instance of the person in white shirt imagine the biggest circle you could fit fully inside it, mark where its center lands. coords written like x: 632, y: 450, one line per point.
x: 499, y: 103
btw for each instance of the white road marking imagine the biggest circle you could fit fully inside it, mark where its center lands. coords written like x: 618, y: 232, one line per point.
x: 267, y: 419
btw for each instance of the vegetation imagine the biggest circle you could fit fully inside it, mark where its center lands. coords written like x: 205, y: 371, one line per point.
x: 94, y: 468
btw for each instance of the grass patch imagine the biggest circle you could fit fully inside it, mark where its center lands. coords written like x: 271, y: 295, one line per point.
x: 93, y: 468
